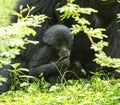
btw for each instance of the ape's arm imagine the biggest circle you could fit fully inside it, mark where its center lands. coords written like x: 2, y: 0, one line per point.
x: 49, y: 68
x: 44, y: 61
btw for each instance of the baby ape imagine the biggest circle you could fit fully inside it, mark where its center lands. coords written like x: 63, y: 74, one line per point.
x: 52, y: 59
x: 47, y: 7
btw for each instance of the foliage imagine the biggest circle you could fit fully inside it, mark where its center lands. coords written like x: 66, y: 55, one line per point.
x: 13, y: 37
x: 6, y: 8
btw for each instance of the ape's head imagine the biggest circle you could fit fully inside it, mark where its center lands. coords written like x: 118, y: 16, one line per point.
x: 59, y: 38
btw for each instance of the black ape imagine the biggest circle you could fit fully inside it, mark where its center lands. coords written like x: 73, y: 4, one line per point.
x: 47, y: 7
x: 105, y: 18
x: 53, y: 56
x: 81, y: 54
x: 107, y: 12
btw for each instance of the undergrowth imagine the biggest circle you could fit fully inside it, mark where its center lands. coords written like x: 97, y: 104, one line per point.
x: 95, y: 91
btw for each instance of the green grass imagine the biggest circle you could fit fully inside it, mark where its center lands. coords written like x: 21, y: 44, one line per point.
x: 95, y: 91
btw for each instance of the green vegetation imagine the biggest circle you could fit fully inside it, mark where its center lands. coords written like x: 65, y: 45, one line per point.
x: 98, y: 90
x: 95, y: 91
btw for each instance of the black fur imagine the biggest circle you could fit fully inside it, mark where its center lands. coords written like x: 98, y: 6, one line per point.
x: 53, y: 56
x: 107, y: 12
x: 5, y: 85
x: 105, y: 18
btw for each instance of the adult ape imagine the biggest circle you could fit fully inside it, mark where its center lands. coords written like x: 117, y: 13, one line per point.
x: 105, y: 18
x: 52, y: 58
x: 107, y: 15
x: 107, y: 12
x: 113, y: 50
x: 81, y: 53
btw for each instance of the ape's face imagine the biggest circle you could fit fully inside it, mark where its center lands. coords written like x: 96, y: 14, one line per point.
x: 106, y: 1
x: 60, y: 39
x: 61, y: 42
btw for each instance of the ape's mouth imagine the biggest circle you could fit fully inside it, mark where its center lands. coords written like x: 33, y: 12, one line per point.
x: 64, y: 52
